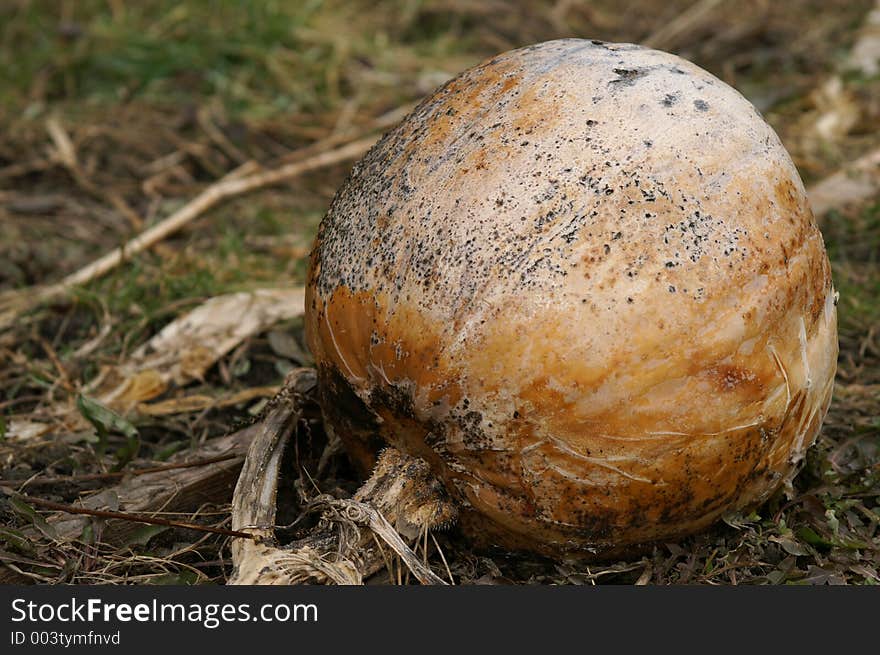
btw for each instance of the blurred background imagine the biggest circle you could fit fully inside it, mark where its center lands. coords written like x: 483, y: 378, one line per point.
x: 161, y: 98
x: 117, y: 114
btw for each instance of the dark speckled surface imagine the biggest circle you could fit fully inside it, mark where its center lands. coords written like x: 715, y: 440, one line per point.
x: 582, y: 279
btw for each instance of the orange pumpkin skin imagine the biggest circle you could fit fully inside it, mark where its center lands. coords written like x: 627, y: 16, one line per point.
x: 583, y: 281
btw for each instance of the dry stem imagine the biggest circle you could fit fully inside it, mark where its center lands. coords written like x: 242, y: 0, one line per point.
x: 398, y: 504
x: 13, y: 305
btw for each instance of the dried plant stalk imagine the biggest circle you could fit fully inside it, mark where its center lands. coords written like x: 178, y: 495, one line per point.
x: 394, y: 507
x: 13, y: 304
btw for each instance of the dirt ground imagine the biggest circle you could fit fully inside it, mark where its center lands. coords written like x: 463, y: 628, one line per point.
x: 116, y: 115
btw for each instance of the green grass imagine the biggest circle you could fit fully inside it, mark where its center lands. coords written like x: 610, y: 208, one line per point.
x: 256, y: 59
x: 158, y: 49
x: 853, y: 244
x: 152, y: 289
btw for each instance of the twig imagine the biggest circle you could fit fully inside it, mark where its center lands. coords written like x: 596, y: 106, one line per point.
x: 384, y: 121
x: 204, y: 201
x: 24, y: 168
x: 118, y: 474
x: 208, y: 198
x: 203, y: 117
x: 64, y: 149
x: 64, y: 377
x: 443, y: 558
x: 666, y: 36
x: 137, y: 518
x: 66, y: 153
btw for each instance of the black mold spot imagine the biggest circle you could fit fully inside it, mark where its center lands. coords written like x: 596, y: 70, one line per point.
x: 701, y: 105
x: 627, y: 76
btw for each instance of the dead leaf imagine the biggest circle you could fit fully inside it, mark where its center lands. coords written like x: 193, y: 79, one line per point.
x: 19, y: 429
x: 186, y: 348
x: 853, y: 184
x: 194, y: 363
x: 199, y: 402
x: 790, y: 546
x: 284, y: 344
x: 838, y: 110
x: 819, y: 576
x: 180, y: 353
x: 143, y: 385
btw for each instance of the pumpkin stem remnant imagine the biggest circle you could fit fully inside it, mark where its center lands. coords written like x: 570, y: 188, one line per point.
x: 394, y: 508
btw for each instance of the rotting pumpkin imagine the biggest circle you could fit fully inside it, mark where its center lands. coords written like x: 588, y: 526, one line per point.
x: 583, y: 282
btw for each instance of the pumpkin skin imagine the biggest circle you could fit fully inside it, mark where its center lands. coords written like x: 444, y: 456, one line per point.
x: 583, y: 281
